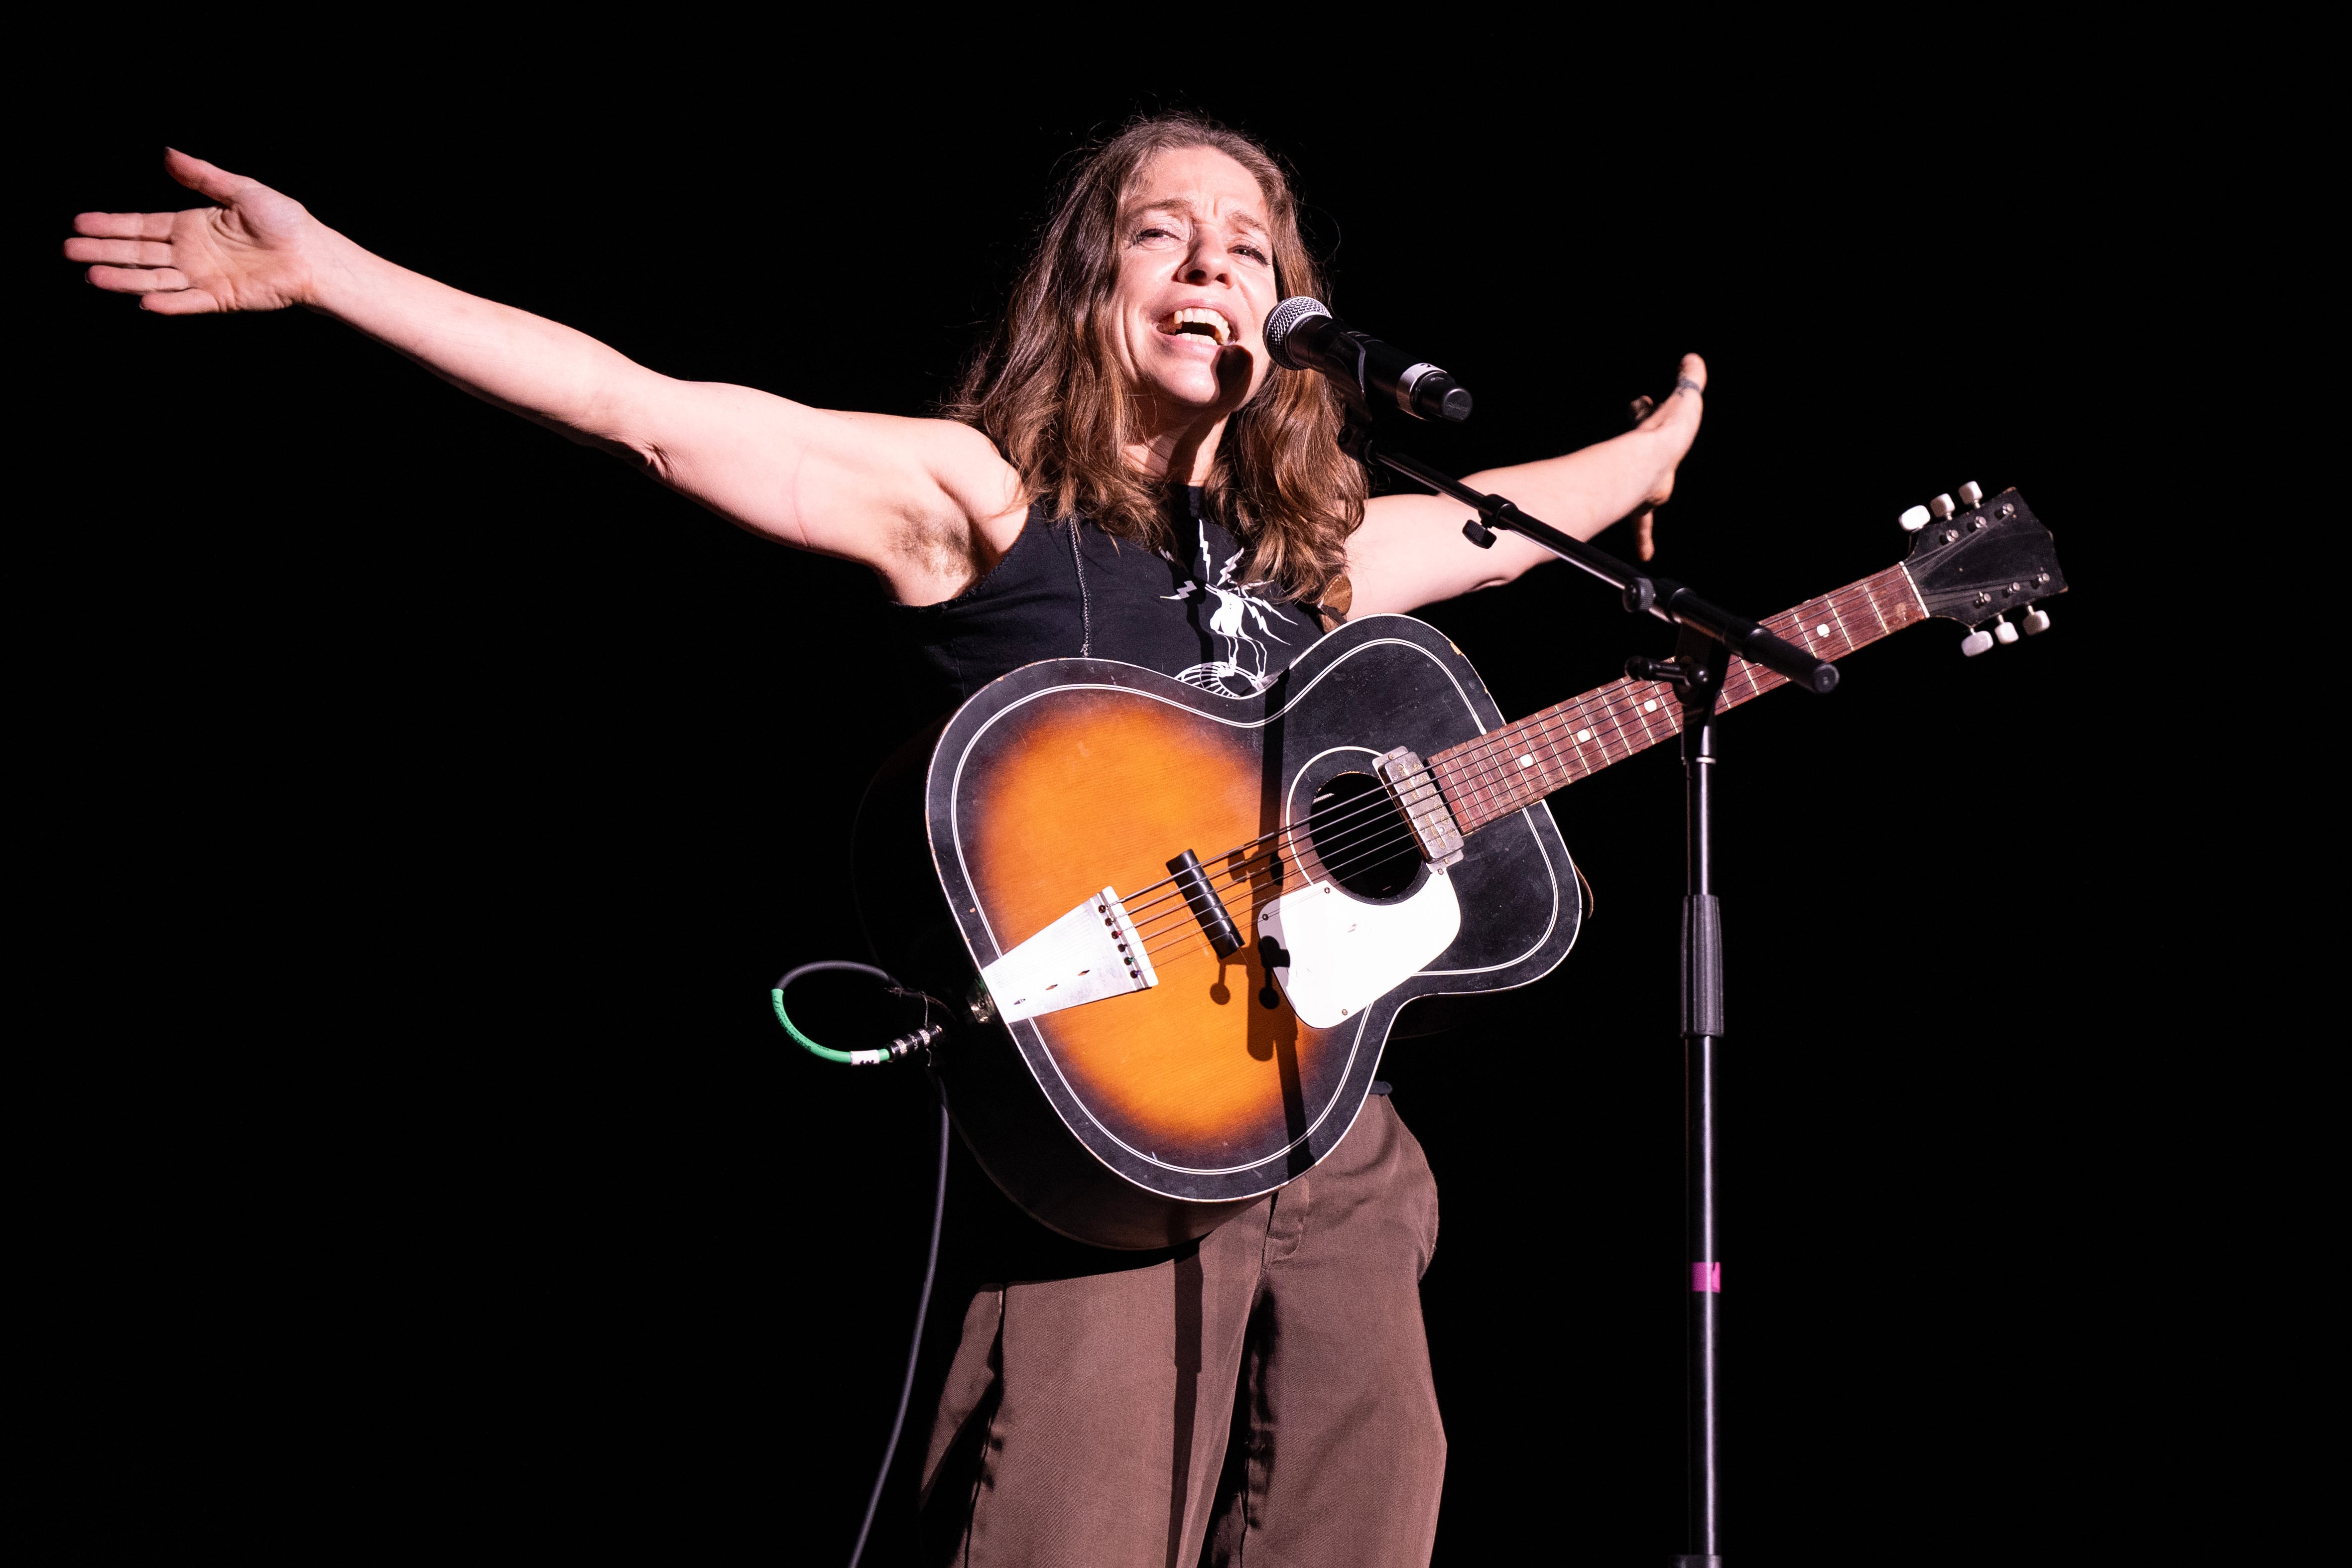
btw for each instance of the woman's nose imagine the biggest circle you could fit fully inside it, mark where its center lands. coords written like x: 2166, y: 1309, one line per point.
x: 1206, y: 265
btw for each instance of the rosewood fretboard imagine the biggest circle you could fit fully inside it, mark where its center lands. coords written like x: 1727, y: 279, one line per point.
x: 1516, y: 766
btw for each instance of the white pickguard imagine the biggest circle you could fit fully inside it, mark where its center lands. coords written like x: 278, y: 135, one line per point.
x: 1346, y: 953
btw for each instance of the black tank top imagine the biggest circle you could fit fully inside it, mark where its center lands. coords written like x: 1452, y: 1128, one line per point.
x: 1069, y: 589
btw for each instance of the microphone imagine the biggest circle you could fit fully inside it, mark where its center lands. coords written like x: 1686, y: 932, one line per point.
x: 1301, y: 335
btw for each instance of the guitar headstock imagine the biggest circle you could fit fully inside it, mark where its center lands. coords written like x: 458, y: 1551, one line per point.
x: 1981, y: 560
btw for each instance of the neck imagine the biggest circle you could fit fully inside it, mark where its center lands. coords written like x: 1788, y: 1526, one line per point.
x: 1179, y: 445
x: 1510, y: 769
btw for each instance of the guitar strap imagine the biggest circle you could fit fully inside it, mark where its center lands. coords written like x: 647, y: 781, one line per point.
x: 1085, y: 604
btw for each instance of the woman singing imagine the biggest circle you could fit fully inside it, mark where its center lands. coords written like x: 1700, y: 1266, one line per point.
x: 1123, y: 473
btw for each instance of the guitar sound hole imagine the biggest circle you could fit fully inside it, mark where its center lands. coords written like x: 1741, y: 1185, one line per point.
x: 1361, y: 838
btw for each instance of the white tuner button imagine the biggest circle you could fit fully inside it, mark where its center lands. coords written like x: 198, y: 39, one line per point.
x: 1942, y: 507
x: 1914, y: 520
x: 1975, y: 643
x: 2002, y: 632
x: 1970, y: 495
x: 2035, y: 622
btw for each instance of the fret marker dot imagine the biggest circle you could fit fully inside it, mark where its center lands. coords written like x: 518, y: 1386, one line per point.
x: 1650, y: 706
x: 1582, y: 735
x: 1526, y: 762
x: 1821, y: 631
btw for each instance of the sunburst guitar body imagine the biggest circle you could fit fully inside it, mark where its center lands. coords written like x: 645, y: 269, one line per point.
x: 1144, y: 1118
x: 1181, y: 925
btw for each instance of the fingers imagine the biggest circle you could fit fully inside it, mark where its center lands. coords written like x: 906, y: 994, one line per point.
x: 125, y: 225
x: 188, y: 302
x: 202, y: 177
x: 120, y: 252
x: 138, y: 279
x: 1677, y: 419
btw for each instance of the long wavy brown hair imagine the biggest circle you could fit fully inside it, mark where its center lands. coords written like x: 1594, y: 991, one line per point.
x: 1046, y: 390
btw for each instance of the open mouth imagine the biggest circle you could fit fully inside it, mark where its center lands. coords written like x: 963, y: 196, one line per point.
x: 1209, y: 324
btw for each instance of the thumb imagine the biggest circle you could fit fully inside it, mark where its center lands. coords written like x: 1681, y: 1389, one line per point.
x: 1681, y: 404
x: 204, y: 178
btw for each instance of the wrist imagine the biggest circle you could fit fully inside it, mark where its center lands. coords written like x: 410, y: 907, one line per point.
x: 335, y: 271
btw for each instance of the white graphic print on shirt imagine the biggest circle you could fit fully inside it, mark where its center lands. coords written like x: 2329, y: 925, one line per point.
x: 1245, y: 663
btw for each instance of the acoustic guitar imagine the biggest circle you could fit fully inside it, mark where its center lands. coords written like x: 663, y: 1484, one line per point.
x: 1194, y: 917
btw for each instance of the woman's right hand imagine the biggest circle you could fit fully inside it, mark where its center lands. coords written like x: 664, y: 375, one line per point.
x: 254, y: 251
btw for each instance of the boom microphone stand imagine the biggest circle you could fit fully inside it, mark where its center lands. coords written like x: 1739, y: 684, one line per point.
x: 1710, y: 636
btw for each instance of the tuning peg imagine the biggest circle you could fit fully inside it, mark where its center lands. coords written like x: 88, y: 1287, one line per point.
x: 2002, y: 632
x: 1975, y: 643
x: 1970, y: 495
x: 1940, y: 507
x: 1914, y: 519
x: 2035, y: 622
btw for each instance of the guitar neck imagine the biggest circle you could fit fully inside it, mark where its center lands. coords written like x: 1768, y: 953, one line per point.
x: 1513, y: 768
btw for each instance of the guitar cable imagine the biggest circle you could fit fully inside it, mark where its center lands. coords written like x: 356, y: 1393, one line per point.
x: 923, y: 1036
x: 898, y: 1048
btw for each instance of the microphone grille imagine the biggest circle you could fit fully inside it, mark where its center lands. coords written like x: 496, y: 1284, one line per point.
x: 1282, y: 319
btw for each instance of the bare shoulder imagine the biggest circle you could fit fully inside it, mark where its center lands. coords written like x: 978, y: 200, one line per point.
x: 960, y: 505
x: 965, y: 464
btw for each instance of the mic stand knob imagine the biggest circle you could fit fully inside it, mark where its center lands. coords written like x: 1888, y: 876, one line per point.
x: 1657, y: 670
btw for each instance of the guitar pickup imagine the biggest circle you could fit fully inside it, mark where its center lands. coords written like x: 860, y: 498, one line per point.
x: 1414, y: 789
x: 1091, y: 953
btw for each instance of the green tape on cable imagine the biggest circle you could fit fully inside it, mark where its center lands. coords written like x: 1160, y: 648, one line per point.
x: 847, y: 1058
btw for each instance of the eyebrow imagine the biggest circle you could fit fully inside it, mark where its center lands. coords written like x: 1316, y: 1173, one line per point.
x: 1243, y: 218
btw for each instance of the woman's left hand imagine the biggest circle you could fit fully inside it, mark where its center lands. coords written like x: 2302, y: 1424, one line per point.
x: 1678, y: 416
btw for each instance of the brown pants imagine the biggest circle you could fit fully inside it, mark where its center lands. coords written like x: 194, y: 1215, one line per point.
x: 1092, y: 1419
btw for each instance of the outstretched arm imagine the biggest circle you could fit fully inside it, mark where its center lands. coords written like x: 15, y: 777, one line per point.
x: 928, y: 504
x: 1410, y: 550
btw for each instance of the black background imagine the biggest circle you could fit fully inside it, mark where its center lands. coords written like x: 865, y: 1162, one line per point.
x: 423, y: 805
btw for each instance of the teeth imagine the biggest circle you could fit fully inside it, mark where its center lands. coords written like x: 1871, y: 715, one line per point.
x: 1222, y: 328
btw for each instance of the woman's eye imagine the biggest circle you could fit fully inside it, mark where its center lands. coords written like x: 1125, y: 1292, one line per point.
x: 1152, y: 234
x: 1251, y: 251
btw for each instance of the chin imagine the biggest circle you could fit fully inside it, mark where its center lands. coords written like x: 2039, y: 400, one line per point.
x: 1198, y: 393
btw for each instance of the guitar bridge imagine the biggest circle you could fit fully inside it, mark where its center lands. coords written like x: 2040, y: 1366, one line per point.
x: 1216, y: 921
x: 1091, y: 953
x: 1414, y: 789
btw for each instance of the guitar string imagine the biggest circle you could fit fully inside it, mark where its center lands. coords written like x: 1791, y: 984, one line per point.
x: 1616, y: 721
x: 1186, y: 933
x: 1486, y: 764
x: 1491, y: 763
x: 1366, y: 837
x: 1376, y: 804
x: 1353, y: 845
x: 1183, y: 930
x: 1483, y: 765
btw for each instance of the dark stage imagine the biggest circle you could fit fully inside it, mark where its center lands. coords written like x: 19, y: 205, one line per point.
x: 434, y: 801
